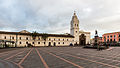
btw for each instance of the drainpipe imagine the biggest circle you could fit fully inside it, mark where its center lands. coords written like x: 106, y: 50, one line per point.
x: 16, y: 40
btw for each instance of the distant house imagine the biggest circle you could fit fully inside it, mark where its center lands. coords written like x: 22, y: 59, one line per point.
x: 111, y: 38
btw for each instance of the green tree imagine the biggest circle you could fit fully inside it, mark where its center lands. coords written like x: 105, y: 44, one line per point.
x: 34, y: 36
x: 44, y: 37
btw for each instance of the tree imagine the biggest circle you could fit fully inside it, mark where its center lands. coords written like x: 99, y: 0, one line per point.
x: 44, y: 37
x: 34, y: 35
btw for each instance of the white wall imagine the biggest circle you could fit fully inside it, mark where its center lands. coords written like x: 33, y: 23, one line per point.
x: 30, y: 40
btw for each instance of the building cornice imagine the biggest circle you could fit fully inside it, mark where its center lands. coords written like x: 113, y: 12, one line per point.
x: 39, y: 34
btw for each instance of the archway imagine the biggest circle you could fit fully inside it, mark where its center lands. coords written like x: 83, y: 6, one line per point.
x: 49, y: 44
x: 82, y: 39
x: 54, y: 44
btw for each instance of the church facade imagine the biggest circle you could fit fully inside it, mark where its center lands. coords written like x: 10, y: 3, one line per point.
x: 25, y: 38
x: 80, y: 37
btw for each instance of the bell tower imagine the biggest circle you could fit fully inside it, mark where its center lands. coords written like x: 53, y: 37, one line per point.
x: 75, y: 28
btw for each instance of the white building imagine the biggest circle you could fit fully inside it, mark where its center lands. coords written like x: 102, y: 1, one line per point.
x: 23, y: 38
x: 80, y: 37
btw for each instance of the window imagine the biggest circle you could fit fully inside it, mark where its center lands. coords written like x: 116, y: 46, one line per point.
x: 38, y: 42
x: 77, y: 25
x: 58, y: 42
x: 107, y: 40
x: 63, y: 39
x: 26, y: 42
x: 20, y: 38
x: 76, y: 31
x: 114, y: 35
x: 26, y: 38
x: 49, y: 39
x: 5, y: 37
x: 110, y: 40
x: 114, y: 40
x: 108, y: 36
x: 44, y: 42
x: 20, y: 42
x: 12, y: 37
x: 111, y: 36
x: 54, y: 38
x: 67, y: 39
x: 63, y: 42
x: 59, y: 39
x: 32, y: 42
x: 38, y: 38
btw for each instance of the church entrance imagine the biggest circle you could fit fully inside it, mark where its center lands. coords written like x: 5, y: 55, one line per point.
x: 82, y: 39
x: 54, y: 44
x: 49, y: 44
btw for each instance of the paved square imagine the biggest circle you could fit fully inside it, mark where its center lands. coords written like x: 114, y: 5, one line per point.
x: 60, y: 57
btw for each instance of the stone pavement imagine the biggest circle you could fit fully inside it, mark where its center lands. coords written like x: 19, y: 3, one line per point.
x: 5, y: 64
x: 60, y: 57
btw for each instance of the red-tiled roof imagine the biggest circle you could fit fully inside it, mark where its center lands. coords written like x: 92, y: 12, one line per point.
x: 111, y: 33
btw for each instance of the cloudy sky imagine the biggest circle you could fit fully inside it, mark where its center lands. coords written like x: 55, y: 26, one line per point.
x: 54, y: 16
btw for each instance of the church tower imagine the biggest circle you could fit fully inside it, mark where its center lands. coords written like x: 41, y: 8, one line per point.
x: 75, y: 28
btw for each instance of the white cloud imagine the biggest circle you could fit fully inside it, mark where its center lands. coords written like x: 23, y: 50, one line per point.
x: 54, y: 16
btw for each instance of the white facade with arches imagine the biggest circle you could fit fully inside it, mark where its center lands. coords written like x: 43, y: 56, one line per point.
x: 23, y: 38
x: 76, y: 33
